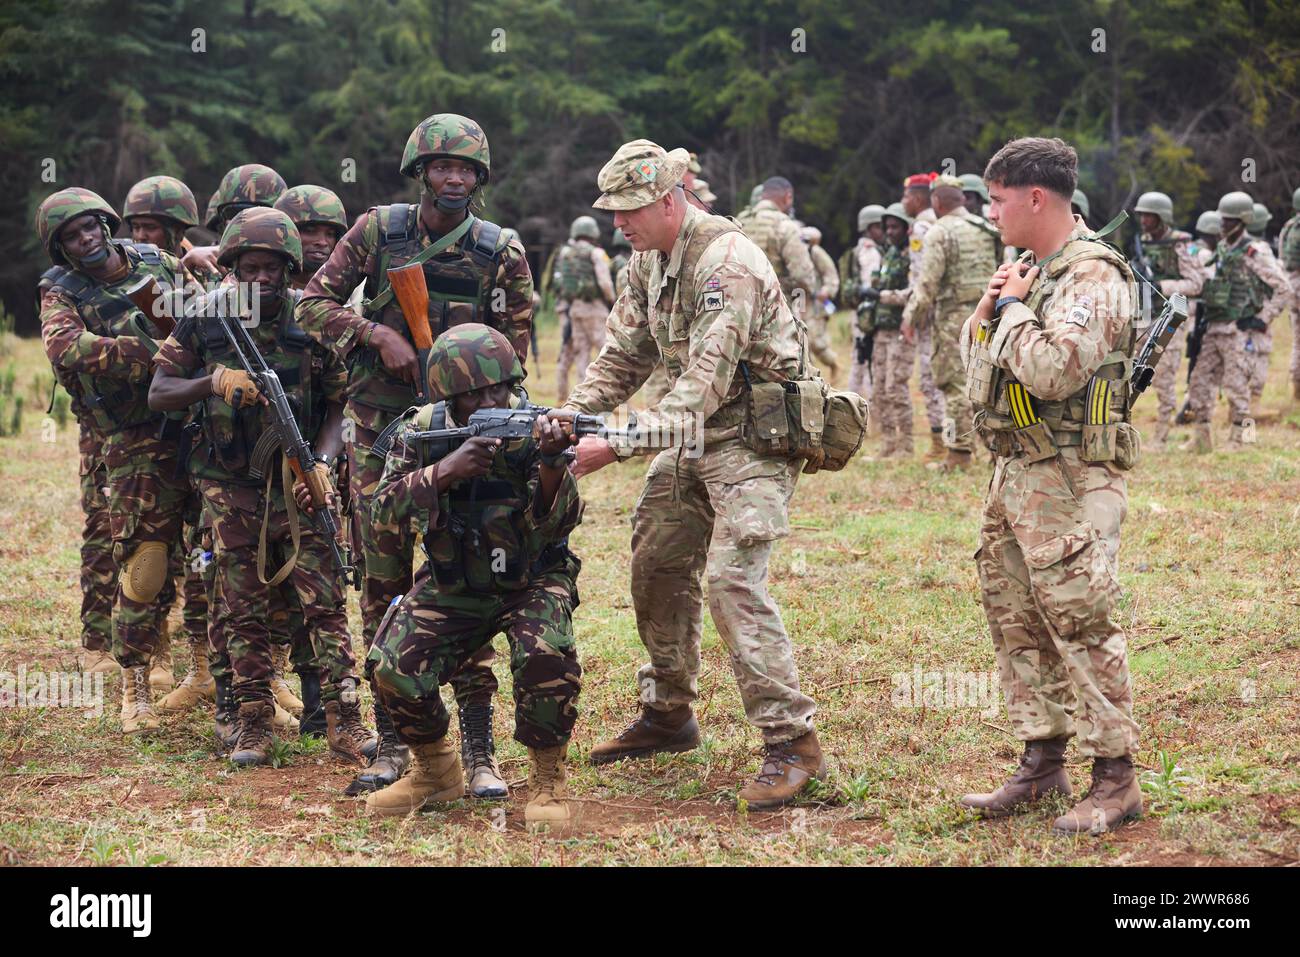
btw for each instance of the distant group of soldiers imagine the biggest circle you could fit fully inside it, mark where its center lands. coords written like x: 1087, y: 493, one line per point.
x: 394, y: 338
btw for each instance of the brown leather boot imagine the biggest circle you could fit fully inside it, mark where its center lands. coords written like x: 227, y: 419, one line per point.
x: 547, y: 788
x: 254, y: 744
x: 787, y: 769
x: 196, y: 686
x: 348, y: 737
x: 673, y: 730
x: 1041, y: 774
x: 1113, y: 798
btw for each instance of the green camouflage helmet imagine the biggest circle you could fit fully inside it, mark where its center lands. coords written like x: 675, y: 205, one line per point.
x: 1080, y: 199
x: 164, y: 197
x: 260, y: 228
x: 898, y: 212
x: 586, y: 227
x: 869, y: 214
x: 211, y: 218
x: 1259, y: 219
x: 1237, y: 205
x: 314, y: 204
x: 447, y: 134
x: 972, y: 183
x: 620, y: 241
x: 1158, y: 204
x: 1209, y: 223
x: 63, y: 207
x: 471, y: 356
x: 251, y: 184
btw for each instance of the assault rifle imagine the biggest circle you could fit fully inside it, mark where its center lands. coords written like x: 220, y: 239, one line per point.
x: 516, y: 424
x: 1173, y: 315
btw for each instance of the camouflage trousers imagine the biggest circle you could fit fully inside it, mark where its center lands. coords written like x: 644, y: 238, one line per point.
x: 654, y: 388
x: 586, y: 339
x: 187, y: 569
x: 1222, y: 362
x: 1257, y: 352
x: 432, y: 635
x: 1165, y: 380
x: 934, y: 408
x: 891, y: 376
x: 860, y: 380
x: 1295, y: 327
x: 145, y: 504
x: 242, y: 608
x: 98, y: 569
x: 387, y: 554
x: 1047, y: 562
x: 950, y: 376
x: 819, y: 339
x: 720, y: 514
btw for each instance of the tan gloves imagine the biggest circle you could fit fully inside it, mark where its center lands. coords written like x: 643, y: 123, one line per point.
x: 226, y: 382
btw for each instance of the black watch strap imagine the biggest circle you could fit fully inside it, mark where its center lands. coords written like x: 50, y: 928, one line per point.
x: 1003, y: 303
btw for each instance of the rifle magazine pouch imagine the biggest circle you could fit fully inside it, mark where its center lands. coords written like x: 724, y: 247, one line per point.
x: 1128, y: 446
x: 846, y: 425
x: 768, y: 429
x: 980, y: 369
x: 805, y: 402
x: 1099, y: 433
x: 1035, y: 441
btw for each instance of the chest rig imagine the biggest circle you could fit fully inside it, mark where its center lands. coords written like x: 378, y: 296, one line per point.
x: 1234, y: 292
x: 1012, y: 421
x: 1162, y: 254
x: 578, y: 273
x: 895, y: 267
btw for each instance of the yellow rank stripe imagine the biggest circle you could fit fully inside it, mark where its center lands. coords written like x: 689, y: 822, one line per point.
x: 1022, y: 407
x: 1098, y: 401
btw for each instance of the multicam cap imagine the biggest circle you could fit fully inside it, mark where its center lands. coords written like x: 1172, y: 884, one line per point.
x: 471, y: 356
x: 1158, y: 204
x: 252, y: 184
x: 314, y: 204
x: 974, y: 183
x: 640, y: 173
x: 586, y: 227
x: 447, y: 134
x: 1237, y: 205
x: 706, y: 195
x: 63, y: 207
x: 163, y: 196
x: 898, y: 212
x: 1080, y: 199
x: 1209, y: 223
x: 869, y: 214
x: 261, y: 228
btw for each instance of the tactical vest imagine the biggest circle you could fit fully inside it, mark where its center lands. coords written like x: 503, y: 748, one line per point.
x: 482, y: 546
x: 892, y: 274
x: 1089, y: 418
x: 460, y: 281
x: 240, y: 447
x: 578, y: 273
x: 1234, y: 292
x: 976, y: 261
x: 1162, y: 255
x: 111, y: 403
x: 1288, y: 247
x: 762, y: 228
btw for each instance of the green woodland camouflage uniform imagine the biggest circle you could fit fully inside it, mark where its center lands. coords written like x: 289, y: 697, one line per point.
x: 1049, y: 542
x: 712, y: 303
x: 92, y: 331
x: 958, y: 259
x: 892, y: 356
x: 481, y: 277
x: 495, y: 565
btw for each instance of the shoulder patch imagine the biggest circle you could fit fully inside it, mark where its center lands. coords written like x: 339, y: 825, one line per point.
x: 1080, y: 312
x: 714, y: 299
x: 916, y: 244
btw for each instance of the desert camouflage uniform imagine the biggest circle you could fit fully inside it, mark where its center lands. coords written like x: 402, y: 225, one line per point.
x: 777, y: 236
x: 893, y: 356
x: 1259, y: 342
x: 1050, y: 535
x: 1174, y: 269
x: 958, y: 259
x: 586, y: 315
x: 818, y: 322
x: 934, y: 407
x: 712, y: 303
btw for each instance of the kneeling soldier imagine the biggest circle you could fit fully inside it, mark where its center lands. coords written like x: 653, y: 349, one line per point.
x: 496, y: 517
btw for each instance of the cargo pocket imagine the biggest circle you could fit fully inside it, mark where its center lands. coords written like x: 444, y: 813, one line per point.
x: 1073, y: 584
x: 754, y: 502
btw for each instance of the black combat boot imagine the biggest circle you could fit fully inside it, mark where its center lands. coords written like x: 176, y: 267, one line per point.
x: 227, y: 717
x: 390, y: 760
x: 478, y: 752
x: 312, y: 723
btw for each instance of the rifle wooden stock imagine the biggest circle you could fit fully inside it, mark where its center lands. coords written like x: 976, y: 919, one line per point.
x: 148, y: 298
x: 413, y: 297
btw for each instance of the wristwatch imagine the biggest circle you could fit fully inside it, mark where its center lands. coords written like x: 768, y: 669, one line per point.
x: 560, y: 460
x: 1003, y: 303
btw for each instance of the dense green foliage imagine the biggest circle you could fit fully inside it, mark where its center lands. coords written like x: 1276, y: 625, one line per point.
x: 842, y: 96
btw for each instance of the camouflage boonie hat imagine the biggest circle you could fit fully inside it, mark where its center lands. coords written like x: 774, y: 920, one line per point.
x: 63, y: 207
x: 165, y: 197
x: 898, y: 212
x: 251, y: 184
x: 640, y: 173
x: 973, y: 183
x: 471, y: 356
x: 447, y: 134
x: 260, y: 228
x: 314, y: 204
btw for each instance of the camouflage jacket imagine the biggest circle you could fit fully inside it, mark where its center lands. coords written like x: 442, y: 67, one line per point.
x: 1173, y: 264
x: 777, y: 236
x: 958, y: 258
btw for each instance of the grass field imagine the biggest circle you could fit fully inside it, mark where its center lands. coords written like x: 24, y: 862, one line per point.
x: 876, y: 584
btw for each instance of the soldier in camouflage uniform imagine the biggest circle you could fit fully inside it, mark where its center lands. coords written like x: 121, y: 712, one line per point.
x: 158, y: 210
x: 1247, y: 290
x: 93, y: 332
x: 821, y: 305
x: 959, y: 256
x: 656, y: 386
x: 1288, y: 250
x: 857, y: 271
x: 496, y: 518
x: 256, y: 522
x: 585, y: 291
x: 472, y: 275
x: 770, y: 228
x: 916, y: 203
x: 1047, y: 353
x: 893, y: 355
x: 703, y: 299
x: 1259, y: 342
x: 1171, y: 266
x: 321, y: 220
x: 243, y: 186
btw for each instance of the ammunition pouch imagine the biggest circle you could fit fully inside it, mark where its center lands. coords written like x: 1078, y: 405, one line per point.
x: 803, y: 419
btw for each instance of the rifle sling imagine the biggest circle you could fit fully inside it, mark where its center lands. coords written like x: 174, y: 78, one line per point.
x: 428, y: 252
x: 295, y: 530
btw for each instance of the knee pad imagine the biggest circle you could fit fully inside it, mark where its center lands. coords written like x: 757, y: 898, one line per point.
x: 145, y: 572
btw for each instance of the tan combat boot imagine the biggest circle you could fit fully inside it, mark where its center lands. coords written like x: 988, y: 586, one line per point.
x: 787, y: 769
x: 196, y: 686
x: 255, y: 737
x: 653, y: 731
x: 284, y: 696
x: 434, y: 778
x: 1201, y: 441
x: 99, y: 662
x: 1236, y: 439
x: 348, y: 737
x: 938, y: 451
x: 1041, y: 774
x: 162, y: 675
x: 547, y: 789
x: 1113, y: 798
x: 282, y: 720
x: 137, y: 708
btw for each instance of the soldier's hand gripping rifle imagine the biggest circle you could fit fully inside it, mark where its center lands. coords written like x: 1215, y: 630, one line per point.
x: 297, y: 451
x: 517, y: 424
x: 412, y: 292
x: 1173, y: 315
